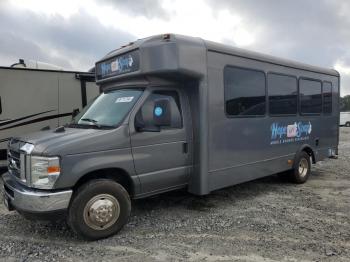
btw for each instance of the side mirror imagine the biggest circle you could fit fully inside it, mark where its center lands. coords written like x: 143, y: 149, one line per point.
x: 153, y: 116
x: 75, y: 112
x: 162, y: 112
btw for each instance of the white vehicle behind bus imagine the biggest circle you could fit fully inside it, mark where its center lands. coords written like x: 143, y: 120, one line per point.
x: 344, y: 119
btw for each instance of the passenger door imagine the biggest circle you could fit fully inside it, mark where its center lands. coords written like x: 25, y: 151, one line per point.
x: 162, y: 157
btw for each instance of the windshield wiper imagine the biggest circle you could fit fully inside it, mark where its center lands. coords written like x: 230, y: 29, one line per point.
x: 89, y: 120
x: 93, y: 123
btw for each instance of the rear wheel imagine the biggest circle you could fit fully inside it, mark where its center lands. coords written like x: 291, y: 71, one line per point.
x: 347, y: 124
x: 99, y: 209
x: 302, y: 168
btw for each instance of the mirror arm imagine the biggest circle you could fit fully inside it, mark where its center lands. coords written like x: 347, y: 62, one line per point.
x: 75, y: 112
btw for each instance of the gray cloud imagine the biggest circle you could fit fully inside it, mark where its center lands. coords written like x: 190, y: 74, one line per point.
x: 75, y: 42
x: 147, y: 8
x: 16, y: 47
x: 314, y: 32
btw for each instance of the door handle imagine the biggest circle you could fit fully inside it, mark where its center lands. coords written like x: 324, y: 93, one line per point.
x: 185, y: 147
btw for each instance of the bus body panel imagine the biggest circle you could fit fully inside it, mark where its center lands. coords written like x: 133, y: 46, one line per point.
x: 241, y: 148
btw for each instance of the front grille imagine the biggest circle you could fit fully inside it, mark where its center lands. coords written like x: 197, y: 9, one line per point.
x: 14, y: 163
x: 16, y: 160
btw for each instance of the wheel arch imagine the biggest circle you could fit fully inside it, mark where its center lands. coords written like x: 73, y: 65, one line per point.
x: 308, y: 149
x: 116, y: 174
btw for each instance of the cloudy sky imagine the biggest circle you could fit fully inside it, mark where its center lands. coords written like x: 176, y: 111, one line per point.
x: 74, y: 34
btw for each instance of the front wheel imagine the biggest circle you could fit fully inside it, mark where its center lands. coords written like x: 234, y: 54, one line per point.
x: 99, y: 209
x: 302, y: 168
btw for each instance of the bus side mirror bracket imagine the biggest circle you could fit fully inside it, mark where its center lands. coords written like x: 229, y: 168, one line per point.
x: 75, y: 112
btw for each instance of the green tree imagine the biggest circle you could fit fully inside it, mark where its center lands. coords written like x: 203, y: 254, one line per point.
x: 345, y: 103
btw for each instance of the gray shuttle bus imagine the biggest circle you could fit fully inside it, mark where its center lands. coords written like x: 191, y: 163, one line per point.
x: 175, y: 112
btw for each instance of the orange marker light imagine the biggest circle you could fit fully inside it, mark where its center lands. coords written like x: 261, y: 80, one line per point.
x: 53, y: 169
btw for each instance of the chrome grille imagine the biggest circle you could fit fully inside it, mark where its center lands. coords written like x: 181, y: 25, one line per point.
x: 14, y: 163
x: 16, y: 160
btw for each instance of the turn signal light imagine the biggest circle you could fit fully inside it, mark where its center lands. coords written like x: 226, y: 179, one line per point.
x: 53, y: 169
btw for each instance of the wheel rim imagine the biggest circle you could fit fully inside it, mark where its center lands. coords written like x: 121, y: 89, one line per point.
x: 303, y: 167
x: 101, y: 212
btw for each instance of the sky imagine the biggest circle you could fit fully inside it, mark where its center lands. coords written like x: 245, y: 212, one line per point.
x: 74, y: 34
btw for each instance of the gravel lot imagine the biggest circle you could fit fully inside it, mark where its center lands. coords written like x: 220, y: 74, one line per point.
x: 263, y: 220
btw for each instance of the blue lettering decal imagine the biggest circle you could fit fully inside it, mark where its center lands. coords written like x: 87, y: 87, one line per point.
x: 298, y: 131
x: 278, y: 131
x: 125, y: 62
x: 105, y: 69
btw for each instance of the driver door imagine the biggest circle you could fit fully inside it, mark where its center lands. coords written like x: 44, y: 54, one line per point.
x: 162, y: 157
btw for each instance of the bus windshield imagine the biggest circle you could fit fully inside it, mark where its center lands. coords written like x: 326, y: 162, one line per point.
x: 108, y: 109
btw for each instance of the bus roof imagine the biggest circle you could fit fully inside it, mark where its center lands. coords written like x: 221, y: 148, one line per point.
x: 226, y: 49
x: 195, y: 47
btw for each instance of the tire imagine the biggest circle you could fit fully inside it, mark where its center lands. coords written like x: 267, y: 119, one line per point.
x: 347, y: 124
x: 302, y: 168
x: 99, y: 209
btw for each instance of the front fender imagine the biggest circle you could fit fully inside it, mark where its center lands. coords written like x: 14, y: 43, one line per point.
x: 74, y: 167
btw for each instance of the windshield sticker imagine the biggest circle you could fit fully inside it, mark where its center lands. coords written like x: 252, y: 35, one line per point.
x: 281, y: 134
x: 126, y: 99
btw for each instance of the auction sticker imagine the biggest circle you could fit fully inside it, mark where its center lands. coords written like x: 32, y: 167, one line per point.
x: 126, y: 99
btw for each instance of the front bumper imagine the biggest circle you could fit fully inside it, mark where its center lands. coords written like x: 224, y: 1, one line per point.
x: 34, y: 201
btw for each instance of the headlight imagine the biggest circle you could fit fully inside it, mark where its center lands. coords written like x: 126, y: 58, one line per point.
x: 44, y: 171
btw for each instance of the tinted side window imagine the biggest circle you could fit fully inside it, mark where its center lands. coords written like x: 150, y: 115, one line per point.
x: 244, y: 92
x: 327, y: 97
x: 283, y: 94
x: 310, y: 96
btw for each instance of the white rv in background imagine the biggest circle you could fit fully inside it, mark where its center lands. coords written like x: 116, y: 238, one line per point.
x: 344, y: 119
x: 37, y: 95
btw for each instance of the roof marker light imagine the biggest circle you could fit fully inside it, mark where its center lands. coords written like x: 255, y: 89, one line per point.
x: 166, y: 37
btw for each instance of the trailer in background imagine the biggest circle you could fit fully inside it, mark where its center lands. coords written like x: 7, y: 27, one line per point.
x: 32, y: 99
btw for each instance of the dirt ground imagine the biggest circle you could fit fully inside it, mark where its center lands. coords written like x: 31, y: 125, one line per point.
x: 263, y: 220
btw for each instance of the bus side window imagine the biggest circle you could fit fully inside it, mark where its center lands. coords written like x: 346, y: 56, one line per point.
x: 327, y: 97
x: 283, y: 94
x: 245, y: 93
x: 310, y: 96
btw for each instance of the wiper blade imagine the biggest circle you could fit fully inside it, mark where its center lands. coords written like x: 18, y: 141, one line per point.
x: 92, y: 125
x: 92, y: 121
x: 89, y: 120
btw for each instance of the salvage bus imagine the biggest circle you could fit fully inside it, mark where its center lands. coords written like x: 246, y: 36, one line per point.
x: 175, y: 112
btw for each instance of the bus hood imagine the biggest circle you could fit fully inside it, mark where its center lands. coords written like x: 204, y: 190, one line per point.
x: 77, y: 141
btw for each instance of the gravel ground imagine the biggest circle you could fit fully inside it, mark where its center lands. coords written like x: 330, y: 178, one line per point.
x: 263, y: 220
